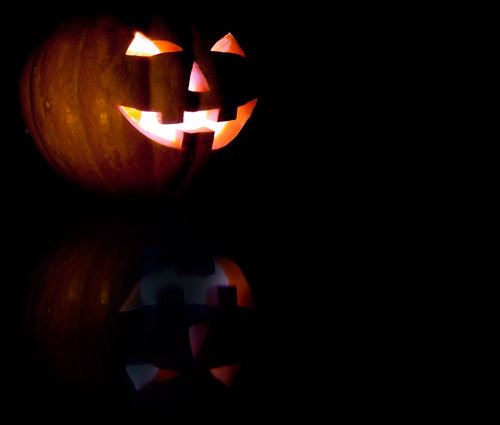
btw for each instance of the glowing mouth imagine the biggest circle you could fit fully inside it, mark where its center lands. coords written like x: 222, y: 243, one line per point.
x: 149, y: 124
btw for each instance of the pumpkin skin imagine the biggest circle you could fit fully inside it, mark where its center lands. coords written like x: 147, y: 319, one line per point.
x: 71, y: 88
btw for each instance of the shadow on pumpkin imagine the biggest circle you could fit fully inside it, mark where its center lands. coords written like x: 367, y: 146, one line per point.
x: 112, y: 312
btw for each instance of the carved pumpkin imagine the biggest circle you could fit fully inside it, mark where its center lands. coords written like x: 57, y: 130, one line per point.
x: 135, y: 110
x: 118, y: 312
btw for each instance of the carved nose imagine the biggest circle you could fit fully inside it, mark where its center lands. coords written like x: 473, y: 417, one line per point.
x: 197, y: 81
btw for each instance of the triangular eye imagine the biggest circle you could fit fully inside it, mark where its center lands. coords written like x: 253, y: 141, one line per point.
x: 143, y: 46
x: 225, y: 374
x: 228, y: 44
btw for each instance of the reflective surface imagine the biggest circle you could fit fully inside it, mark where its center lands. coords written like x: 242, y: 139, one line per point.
x: 144, y: 315
x: 94, y: 318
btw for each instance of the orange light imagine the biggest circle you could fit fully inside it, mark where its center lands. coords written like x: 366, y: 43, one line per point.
x: 228, y: 44
x: 149, y: 124
x: 143, y: 46
x: 236, y: 278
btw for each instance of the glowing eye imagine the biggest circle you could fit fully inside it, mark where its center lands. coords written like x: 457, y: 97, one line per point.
x: 143, y: 46
x: 228, y: 44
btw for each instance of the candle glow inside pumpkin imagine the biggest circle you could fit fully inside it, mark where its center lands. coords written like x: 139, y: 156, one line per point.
x: 150, y: 124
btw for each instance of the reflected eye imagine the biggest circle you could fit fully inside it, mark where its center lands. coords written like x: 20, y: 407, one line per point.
x: 228, y: 44
x: 143, y: 46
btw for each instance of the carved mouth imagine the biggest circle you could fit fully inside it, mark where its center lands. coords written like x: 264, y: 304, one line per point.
x: 149, y: 124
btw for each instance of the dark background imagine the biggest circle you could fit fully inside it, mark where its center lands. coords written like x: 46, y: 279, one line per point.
x: 331, y: 210
x: 258, y: 203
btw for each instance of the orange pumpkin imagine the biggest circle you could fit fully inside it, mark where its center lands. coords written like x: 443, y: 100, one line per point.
x: 134, y: 111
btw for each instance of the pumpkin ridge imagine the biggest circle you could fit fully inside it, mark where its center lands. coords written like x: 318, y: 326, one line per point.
x: 62, y: 164
x: 89, y: 151
x: 31, y: 113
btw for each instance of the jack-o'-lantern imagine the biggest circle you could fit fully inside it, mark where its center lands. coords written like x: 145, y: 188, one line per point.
x: 134, y: 110
x: 186, y: 326
x: 114, y: 311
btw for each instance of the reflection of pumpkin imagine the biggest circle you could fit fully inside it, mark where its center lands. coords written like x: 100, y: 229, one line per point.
x: 207, y: 317
x: 99, y: 312
x: 75, y: 289
x: 129, y: 111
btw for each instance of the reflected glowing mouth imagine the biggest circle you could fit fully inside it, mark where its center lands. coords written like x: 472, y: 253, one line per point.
x: 149, y: 124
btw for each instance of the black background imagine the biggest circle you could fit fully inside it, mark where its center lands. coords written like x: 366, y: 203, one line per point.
x: 331, y: 209
x: 261, y: 202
